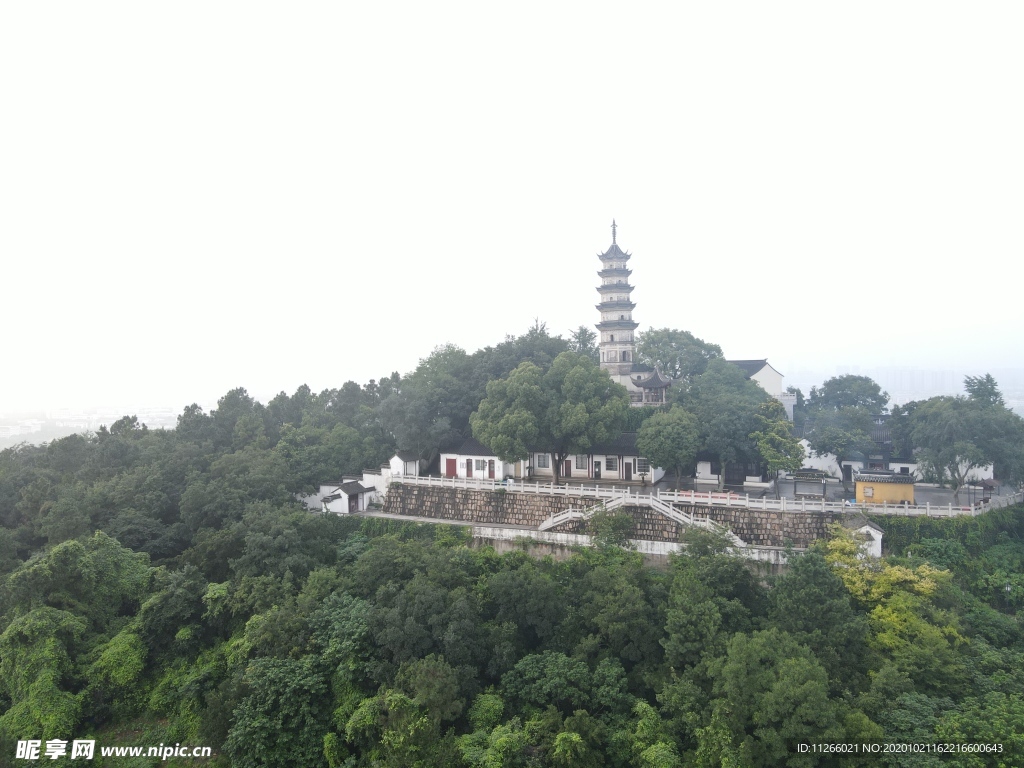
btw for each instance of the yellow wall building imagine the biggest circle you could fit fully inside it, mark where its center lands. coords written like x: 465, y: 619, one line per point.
x: 884, y: 487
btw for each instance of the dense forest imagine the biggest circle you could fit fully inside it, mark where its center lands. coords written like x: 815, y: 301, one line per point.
x: 164, y: 587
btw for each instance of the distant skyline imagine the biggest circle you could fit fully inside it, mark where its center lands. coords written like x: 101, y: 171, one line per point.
x: 197, y: 197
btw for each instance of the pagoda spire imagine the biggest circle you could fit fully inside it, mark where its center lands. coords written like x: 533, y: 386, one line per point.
x: 613, y: 231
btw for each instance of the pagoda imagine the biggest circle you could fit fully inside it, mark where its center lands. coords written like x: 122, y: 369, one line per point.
x: 618, y: 351
x: 617, y: 344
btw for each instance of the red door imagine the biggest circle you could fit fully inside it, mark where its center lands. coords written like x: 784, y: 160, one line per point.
x: 490, y: 468
x: 449, y: 468
x: 568, y: 468
x: 469, y: 467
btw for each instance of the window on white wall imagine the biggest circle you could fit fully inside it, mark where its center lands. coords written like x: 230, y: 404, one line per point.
x: 543, y: 460
x: 481, y: 464
x: 611, y: 463
x: 581, y: 462
x: 643, y: 465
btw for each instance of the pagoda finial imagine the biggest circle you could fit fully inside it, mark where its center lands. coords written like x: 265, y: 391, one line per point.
x: 613, y: 231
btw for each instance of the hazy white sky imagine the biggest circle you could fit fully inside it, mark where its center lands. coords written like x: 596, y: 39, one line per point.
x: 198, y: 196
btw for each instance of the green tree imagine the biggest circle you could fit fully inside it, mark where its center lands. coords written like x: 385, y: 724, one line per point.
x: 566, y: 410
x: 670, y: 439
x: 726, y: 404
x: 995, y: 718
x: 771, y: 694
x: 391, y: 729
x: 777, y: 445
x: 433, y: 404
x: 554, y: 679
x: 712, y: 597
x: 283, y: 720
x: 955, y: 436
x: 842, y: 434
x: 984, y: 390
x: 839, y: 418
x: 583, y: 341
x: 677, y: 354
x: 432, y: 684
x: 37, y: 653
x: 848, y: 391
x: 811, y: 603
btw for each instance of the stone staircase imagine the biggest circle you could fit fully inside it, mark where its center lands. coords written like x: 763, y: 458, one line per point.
x: 686, y: 519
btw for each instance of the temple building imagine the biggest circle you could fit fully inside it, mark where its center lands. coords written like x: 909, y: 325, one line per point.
x: 646, y: 386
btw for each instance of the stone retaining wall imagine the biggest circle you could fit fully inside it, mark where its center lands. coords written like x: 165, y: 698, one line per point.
x: 771, y: 528
x: 481, y: 507
x: 754, y: 526
x: 648, y: 525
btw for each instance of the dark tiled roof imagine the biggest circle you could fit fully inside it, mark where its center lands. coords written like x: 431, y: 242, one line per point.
x: 624, y: 445
x: 353, y: 487
x: 655, y: 381
x: 857, y: 520
x: 875, y: 476
x: 614, y: 252
x: 749, y: 367
x: 473, y: 447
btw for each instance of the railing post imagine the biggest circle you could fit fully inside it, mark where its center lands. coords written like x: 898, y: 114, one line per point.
x: 783, y: 503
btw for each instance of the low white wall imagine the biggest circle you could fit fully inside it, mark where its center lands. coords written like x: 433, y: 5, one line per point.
x: 761, y: 554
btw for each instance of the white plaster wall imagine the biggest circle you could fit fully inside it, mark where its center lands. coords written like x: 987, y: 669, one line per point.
x: 871, y: 540
x: 704, y: 475
x: 500, y: 468
x: 770, y: 381
x: 897, y: 466
x: 340, y: 505
x: 823, y: 463
x: 985, y: 473
x: 399, y: 467
x: 379, y: 481
x: 580, y: 475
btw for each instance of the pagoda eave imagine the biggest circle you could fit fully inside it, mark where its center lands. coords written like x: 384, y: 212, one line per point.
x: 617, y: 325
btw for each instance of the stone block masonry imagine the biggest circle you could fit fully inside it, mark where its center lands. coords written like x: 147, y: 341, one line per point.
x: 480, y: 507
x: 762, y: 528
x: 771, y: 528
x: 648, y: 525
